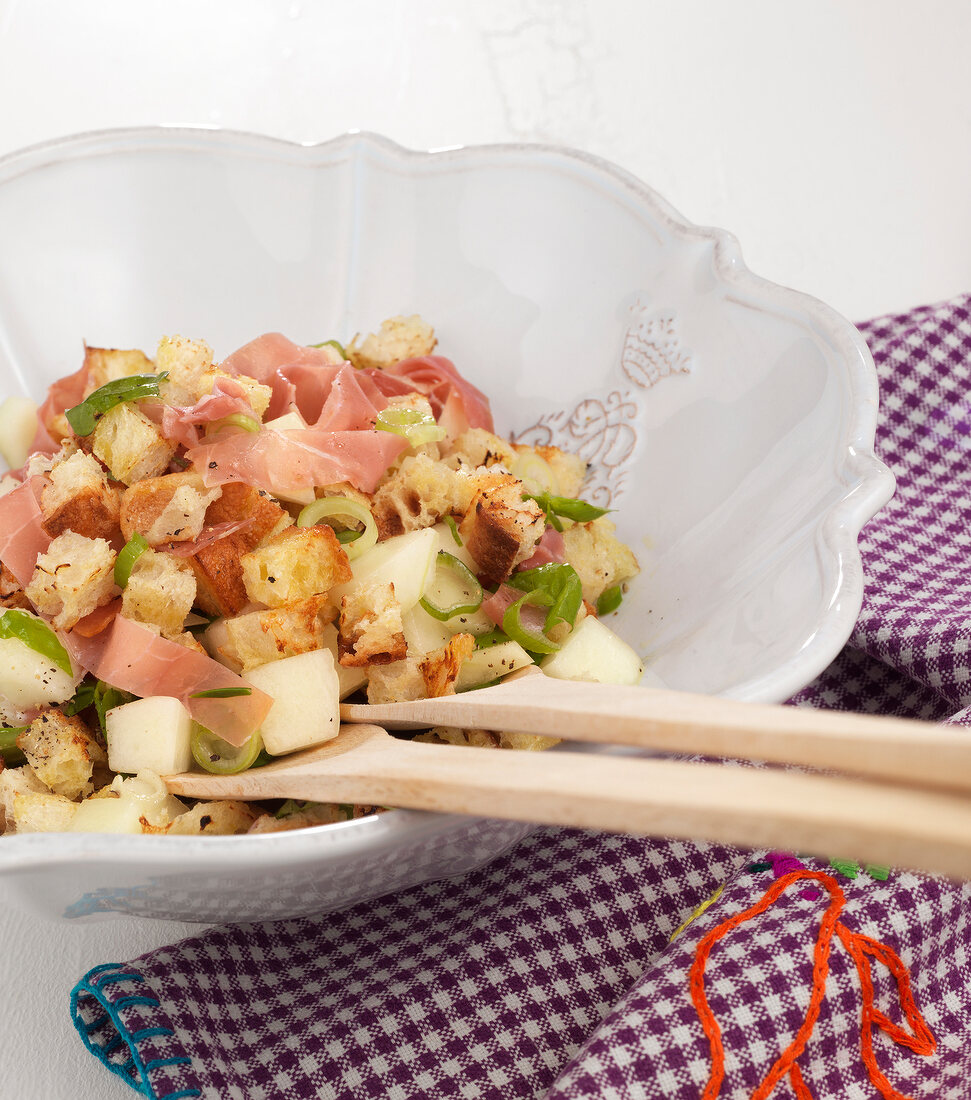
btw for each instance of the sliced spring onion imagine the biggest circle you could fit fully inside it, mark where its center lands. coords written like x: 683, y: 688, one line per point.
x: 459, y: 582
x: 36, y: 635
x: 343, y: 508
x: 566, y: 507
x: 450, y: 523
x: 11, y: 754
x: 533, y: 641
x: 560, y: 587
x: 215, y: 755
x: 331, y: 344
x: 609, y: 600
x: 221, y: 693
x: 535, y: 473
x: 488, y: 640
x: 85, y: 416
x: 416, y: 426
x: 127, y: 556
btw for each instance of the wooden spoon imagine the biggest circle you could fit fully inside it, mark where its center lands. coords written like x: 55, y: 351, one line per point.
x: 875, y: 822
x: 919, y: 753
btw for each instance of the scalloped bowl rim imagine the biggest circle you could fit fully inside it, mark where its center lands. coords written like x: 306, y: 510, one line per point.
x: 869, y: 481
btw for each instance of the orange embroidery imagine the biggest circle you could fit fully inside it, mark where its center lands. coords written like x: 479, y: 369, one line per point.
x: 861, y: 950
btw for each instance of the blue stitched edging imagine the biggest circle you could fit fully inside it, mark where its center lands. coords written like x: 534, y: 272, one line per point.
x: 89, y: 986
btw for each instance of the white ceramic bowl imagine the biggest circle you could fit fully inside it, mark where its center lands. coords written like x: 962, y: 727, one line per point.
x: 728, y: 420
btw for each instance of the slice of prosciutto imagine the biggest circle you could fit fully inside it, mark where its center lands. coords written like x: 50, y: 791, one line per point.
x: 22, y: 536
x: 181, y: 423
x: 133, y: 658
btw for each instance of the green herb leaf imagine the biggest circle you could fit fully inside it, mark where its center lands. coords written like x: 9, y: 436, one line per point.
x: 85, y: 416
x: 36, y: 635
x: 568, y: 507
x: 221, y: 693
x: 331, y: 344
x: 560, y: 586
x: 107, y: 698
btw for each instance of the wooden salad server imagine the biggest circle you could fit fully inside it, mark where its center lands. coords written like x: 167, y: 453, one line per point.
x: 918, y: 753
x: 885, y: 823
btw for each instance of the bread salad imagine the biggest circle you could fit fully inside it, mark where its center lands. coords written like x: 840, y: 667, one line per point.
x: 199, y: 561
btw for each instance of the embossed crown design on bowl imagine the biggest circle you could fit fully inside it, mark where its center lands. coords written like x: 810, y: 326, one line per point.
x: 728, y: 421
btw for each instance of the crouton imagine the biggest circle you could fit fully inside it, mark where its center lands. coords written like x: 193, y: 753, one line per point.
x: 262, y: 636
x: 40, y: 812
x: 161, y: 590
x: 599, y: 557
x: 109, y: 364
x: 12, y: 591
x: 22, y: 780
x: 567, y: 471
x: 8, y: 483
x: 169, y: 508
x: 477, y: 447
x: 370, y: 630
x: 398, y: 338
x: 185, y: 361
x: 419, y: 493
x: 62, y: 753
x: 130, y: 445
x: 396, y: 682
x: 211, y: 819
x: 79, y: 497
x: 440, y: 669
x: 219, y: 574
x: 72, y: 578
x: 310, y: 813
x: 299, y: 563
x: 500, y: 529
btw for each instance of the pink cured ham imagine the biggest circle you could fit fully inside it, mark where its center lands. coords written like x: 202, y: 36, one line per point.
x: 22, y: 536
x: 131, y: 657
x: 289, y: 461
x: 436, y: 377
x: 63, y: 394
x: 208, y: 537
x: 181, y: 423
x: 300, y: 377
x: 549, y: 550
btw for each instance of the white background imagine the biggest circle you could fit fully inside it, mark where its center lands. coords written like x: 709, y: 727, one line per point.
x: 834, y: 139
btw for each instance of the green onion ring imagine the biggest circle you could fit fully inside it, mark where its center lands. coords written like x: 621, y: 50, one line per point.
x: 513, y: 625
x: 346, y: 507
x: 217, y: 756
x: 10, y: 751
x: 127, y: 556
x: 417, y: 427
x: 469, y: 582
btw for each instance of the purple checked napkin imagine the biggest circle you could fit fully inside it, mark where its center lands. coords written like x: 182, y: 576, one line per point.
x: 581, y: 966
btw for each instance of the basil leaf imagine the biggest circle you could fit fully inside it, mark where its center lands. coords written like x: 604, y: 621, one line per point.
x: 221, y: 693
x: 85, y: 416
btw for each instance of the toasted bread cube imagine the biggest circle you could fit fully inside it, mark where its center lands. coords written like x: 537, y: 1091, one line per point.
x: 306, y: 700
x: 130, y: 445
x: 500, y: 529
x: 478, y: 447
x: 487, y: 739
x: 370, y: 630
x: 260, y: 637
x: 299, y: 563
x: 219, y: 573
x: 12, y: 591
x: 109, y: 364
x: 398, y: 338
x: 185, y: 361
x: 160, y: 591
x: 14, y: 781
x: 440, y: 670
x: 62, y: 753
x: 397, y: 682
x: 72, y: 578
x: 78, y: 497
x: 39, y: 812
x: 257, y: 394
x: 213, y: 819
x: 169, y: 508
x: 599, y: 557
x: 550, y: 469
x: 419, y: 493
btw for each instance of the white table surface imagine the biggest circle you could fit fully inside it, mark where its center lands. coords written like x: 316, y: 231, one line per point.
x: 833, y: 139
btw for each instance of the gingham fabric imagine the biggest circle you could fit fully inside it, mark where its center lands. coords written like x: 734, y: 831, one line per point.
x: 553, y: 972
